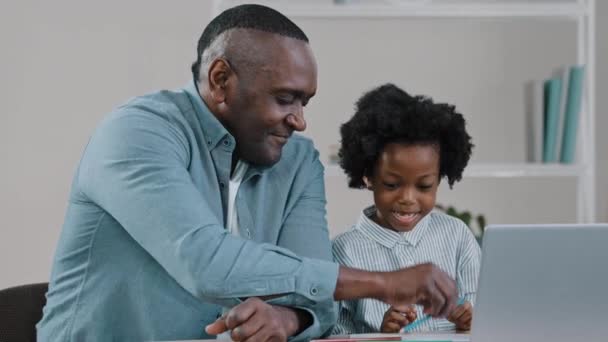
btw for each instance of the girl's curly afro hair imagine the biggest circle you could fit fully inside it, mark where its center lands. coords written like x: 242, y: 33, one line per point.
x: 388, y: 114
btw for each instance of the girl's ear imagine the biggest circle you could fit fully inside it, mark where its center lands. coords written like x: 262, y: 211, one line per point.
x: 368, y: 184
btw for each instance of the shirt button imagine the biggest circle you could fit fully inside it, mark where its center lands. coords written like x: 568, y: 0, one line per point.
x: 314, y: 291
x: 222, y: 185
x: 248, y: 233
x: 208, y: 142
x: 226, y: 143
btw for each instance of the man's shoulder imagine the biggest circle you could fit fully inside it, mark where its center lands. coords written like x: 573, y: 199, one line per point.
x: 298, y: 151
x: 160, y: 111
x: 164, y: 103
x: 300, y: 143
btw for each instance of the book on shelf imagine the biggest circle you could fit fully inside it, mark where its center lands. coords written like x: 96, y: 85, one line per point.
x: 552, y: 105
x: 563, y: 73
x: 571, y: 113
x: 533, y: 97
x: 553, y: 109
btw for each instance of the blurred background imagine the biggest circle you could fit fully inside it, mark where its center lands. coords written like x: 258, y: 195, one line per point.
x: 65, y: 64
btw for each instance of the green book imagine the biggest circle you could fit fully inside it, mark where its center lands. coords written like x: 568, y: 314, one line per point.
x: 572, y: 113
x: 552, y: 101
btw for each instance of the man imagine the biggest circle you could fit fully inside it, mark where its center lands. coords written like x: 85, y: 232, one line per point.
x: 189, y: 202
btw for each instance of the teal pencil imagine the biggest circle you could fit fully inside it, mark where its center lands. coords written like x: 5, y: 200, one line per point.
x: 411, y: 326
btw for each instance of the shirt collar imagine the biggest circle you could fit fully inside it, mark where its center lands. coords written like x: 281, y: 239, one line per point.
x: 213, y: 129
x: 386, y: 237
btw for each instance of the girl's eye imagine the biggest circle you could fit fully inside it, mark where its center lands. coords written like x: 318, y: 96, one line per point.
x: 425, y: 187
x: 390, y: 185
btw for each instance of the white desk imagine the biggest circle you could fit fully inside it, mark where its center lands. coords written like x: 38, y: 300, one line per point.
x: 454, y: 337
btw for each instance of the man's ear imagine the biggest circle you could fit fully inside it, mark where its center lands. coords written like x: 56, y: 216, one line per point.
x: 218, y: 76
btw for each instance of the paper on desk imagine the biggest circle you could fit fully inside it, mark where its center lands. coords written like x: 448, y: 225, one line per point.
x: 426, y: 336
x: 437, y: 337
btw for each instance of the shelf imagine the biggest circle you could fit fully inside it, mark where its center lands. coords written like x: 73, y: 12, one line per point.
x: 422, y: 8
x: 497, y: 170
x: 580, y: 12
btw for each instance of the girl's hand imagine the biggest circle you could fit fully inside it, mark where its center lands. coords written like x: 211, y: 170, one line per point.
x: 396, y: 317
x: 462, y: 316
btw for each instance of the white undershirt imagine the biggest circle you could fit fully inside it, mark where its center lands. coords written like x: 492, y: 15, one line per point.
x: 232, y: 217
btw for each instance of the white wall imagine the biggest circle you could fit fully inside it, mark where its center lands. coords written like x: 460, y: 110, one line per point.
x: 64, y: 64
x: 602, y: 111
x: 479, y: 65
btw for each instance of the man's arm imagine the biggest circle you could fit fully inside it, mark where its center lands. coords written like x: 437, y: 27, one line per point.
x: 424, y: 284
x: 135, y: 168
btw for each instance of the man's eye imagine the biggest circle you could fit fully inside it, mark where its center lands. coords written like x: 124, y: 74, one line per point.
x: 285, y: 100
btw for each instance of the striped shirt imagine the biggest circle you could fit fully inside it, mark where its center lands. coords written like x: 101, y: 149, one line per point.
x: 438, y: 238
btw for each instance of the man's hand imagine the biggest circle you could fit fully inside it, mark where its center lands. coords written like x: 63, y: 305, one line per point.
x: 424, y: 284
x: 396, y: 317
x: 462, y: 316
x: 256, y: 320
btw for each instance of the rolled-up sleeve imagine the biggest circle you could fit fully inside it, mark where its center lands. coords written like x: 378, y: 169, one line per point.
x: 135, y: 167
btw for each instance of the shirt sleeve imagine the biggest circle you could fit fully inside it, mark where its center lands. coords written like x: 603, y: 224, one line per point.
x: 468, y: 267
x: 135, y: 168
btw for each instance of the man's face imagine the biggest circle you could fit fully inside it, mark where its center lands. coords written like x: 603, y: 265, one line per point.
x: 266, y: 104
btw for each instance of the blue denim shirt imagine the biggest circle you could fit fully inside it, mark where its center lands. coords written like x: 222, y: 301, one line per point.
x: 144, y: 255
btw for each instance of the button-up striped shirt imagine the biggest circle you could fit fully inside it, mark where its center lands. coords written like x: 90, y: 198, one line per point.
x: 438, y: 238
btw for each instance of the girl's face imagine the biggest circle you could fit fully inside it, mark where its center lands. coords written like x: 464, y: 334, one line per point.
x: 405, y: 182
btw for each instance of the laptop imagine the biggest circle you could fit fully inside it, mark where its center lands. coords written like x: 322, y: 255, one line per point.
x: 543, y: 283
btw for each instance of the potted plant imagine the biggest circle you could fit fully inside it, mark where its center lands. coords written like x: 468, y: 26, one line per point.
x: 476, y: 224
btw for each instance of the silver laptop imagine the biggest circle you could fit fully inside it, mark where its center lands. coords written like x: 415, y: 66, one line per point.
x: 543, y: 283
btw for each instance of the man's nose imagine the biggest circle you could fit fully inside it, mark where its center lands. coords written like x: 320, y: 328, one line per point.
x: 296, y: 121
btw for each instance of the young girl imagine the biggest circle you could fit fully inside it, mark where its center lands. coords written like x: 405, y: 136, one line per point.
x: 400, y: 147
